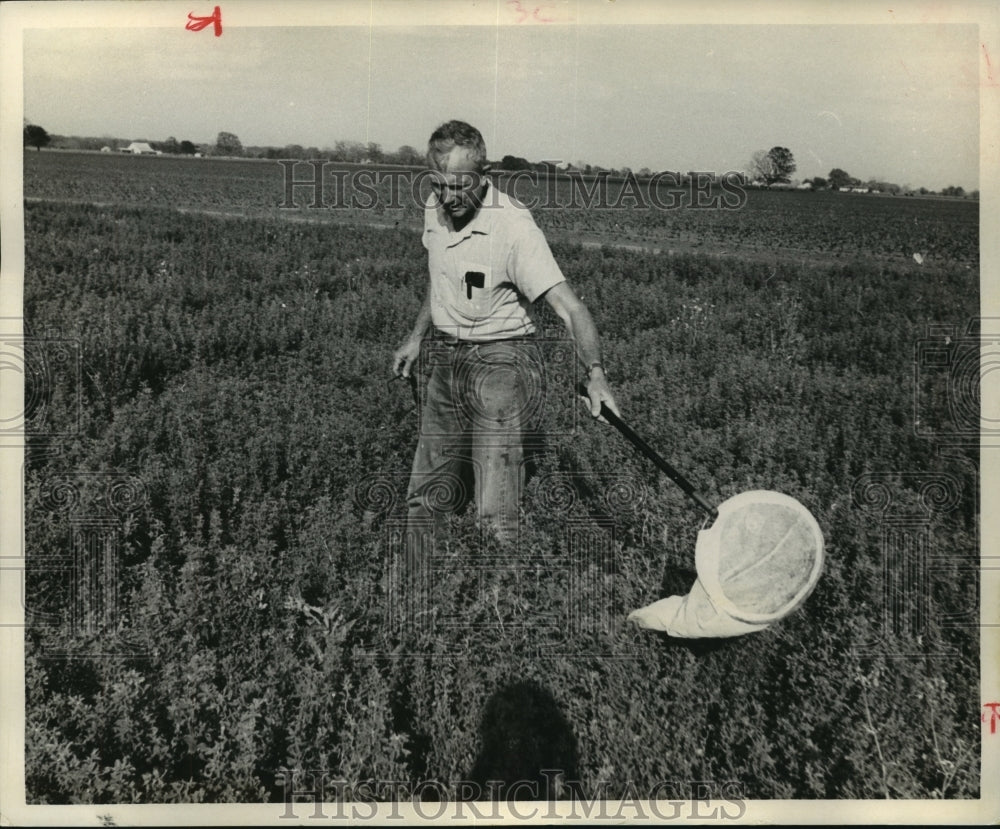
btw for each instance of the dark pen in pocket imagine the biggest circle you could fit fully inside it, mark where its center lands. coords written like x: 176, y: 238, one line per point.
x: 473, y: 279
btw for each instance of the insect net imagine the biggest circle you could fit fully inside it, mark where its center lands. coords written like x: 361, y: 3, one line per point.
x: 756, y: 564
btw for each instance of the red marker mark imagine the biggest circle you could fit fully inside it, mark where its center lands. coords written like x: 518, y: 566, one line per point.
x: 994, y: 715
x: 524, y: 14
x: 989, y: 67
x: 196, y: 24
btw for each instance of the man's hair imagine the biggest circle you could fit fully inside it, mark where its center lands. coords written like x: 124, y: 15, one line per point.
x: 456, y: 134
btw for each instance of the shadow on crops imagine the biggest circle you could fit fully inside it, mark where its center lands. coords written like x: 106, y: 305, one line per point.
x: 523, y: 733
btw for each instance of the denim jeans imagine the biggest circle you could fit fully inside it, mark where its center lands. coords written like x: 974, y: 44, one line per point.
x: 482, y: 407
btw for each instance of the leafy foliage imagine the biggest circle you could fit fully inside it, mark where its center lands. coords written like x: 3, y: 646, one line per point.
x: 235, y: 365
x: 775, y: 165
x: 228, y: 144
x: 759, y: 225
x: 36, y: 136
x: 782, y: 164
x: 838, y: 178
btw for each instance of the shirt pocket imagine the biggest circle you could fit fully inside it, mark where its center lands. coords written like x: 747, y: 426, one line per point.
x: 475, y: 287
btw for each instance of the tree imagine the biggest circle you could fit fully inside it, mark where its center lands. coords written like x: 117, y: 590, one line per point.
x: 409, y: 156
x: 36, y: 136
x: 228, y: 144
x: 187, y: 148
x: 373, y: 153
x: 350, y: 151
x: 775, y: 165
x: 839, y: 179
x: 818, y: 183
x: 877, y: 186
x: 782, y: 164
x: 514, y: 162
x: 760, y: 167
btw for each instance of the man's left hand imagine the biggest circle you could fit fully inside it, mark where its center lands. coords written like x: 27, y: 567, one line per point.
x: 598, y: 392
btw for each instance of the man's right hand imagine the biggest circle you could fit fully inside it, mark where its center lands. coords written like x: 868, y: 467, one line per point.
x: 404, y: 357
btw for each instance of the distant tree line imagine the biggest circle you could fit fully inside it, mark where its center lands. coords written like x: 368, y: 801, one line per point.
x: 840, y: 180
x: 775, y: 167
x: 36, y: 136
x: 769, y: 168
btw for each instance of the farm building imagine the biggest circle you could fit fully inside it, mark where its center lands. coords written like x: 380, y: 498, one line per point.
x: 139, y: 148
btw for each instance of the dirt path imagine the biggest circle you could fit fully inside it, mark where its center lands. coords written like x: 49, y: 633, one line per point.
x: 799, y: 256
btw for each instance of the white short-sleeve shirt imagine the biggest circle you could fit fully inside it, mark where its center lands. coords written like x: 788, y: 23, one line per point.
x: 484, y: 277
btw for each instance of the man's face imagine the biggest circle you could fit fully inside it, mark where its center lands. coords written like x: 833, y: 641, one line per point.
x: 459, y: 185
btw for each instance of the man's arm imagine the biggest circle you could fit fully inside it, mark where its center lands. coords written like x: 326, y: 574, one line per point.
x: 406, y: 355
x: 580, y: 325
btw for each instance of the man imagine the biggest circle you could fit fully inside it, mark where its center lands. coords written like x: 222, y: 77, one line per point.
x: 488, y: 263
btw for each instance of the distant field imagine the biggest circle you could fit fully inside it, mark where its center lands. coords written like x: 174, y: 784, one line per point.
x: 802, y: 225
x: 233, y: 387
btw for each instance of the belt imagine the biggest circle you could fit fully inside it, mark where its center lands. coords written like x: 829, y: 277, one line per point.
x: 454, y: 342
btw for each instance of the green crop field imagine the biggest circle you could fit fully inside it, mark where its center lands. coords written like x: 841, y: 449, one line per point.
x: 212, y: 501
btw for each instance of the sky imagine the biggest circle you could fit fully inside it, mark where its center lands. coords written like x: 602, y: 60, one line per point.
x: 896, y: 103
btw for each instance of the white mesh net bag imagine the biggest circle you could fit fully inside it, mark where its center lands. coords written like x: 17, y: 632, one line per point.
x: 756, y: 564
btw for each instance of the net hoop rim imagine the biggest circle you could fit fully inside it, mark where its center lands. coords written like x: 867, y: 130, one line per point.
x: 707, y: 555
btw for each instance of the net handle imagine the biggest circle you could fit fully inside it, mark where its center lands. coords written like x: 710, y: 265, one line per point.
x: 651, y: 453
